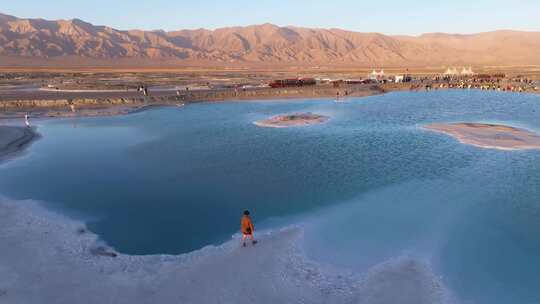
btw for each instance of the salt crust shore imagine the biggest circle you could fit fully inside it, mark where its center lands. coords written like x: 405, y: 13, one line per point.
x: 489, y: 136
x: 58, y: 104
x: 45, y: 258
x: 14, y: 139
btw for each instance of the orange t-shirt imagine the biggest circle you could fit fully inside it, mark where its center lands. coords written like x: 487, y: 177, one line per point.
x: 246, y: 225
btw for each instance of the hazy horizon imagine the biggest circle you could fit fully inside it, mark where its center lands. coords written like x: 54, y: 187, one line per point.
x: 395, y: 18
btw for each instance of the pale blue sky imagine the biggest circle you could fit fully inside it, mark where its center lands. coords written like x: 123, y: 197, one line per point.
x: 390, y: 16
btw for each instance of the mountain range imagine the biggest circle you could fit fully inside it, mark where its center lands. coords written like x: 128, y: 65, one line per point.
x: 38, y: 41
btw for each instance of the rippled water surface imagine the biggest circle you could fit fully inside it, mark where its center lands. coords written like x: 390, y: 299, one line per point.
x: 370, y: 185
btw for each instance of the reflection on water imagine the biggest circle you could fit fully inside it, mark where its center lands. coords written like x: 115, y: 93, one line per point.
x: 369, y: 184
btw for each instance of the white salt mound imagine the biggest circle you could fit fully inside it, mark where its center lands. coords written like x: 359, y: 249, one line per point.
x: 47, y: 258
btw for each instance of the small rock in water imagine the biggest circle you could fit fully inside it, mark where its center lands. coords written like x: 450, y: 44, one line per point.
x: 81, y: 231
x: 102, y: 251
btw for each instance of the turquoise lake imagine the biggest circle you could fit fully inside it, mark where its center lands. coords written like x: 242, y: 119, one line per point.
x: 369, y: 185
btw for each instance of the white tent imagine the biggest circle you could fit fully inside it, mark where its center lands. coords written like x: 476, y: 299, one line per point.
x: 376, y: 75
x: 451, y: 72
x: 467, y: 72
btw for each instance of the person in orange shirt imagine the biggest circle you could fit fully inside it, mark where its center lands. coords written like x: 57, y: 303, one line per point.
x: 246, y: 226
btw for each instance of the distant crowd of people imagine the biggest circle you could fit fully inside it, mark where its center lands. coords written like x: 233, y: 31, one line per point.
x: 494, y: 86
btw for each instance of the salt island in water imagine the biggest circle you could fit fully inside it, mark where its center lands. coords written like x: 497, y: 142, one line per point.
x: 292, y: 120
x: 491, y: 136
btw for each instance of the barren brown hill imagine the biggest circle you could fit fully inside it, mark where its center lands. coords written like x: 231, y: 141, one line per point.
x: 27, y: 42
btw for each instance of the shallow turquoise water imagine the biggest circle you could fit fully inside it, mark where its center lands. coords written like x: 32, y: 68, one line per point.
x: 370, y: 184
